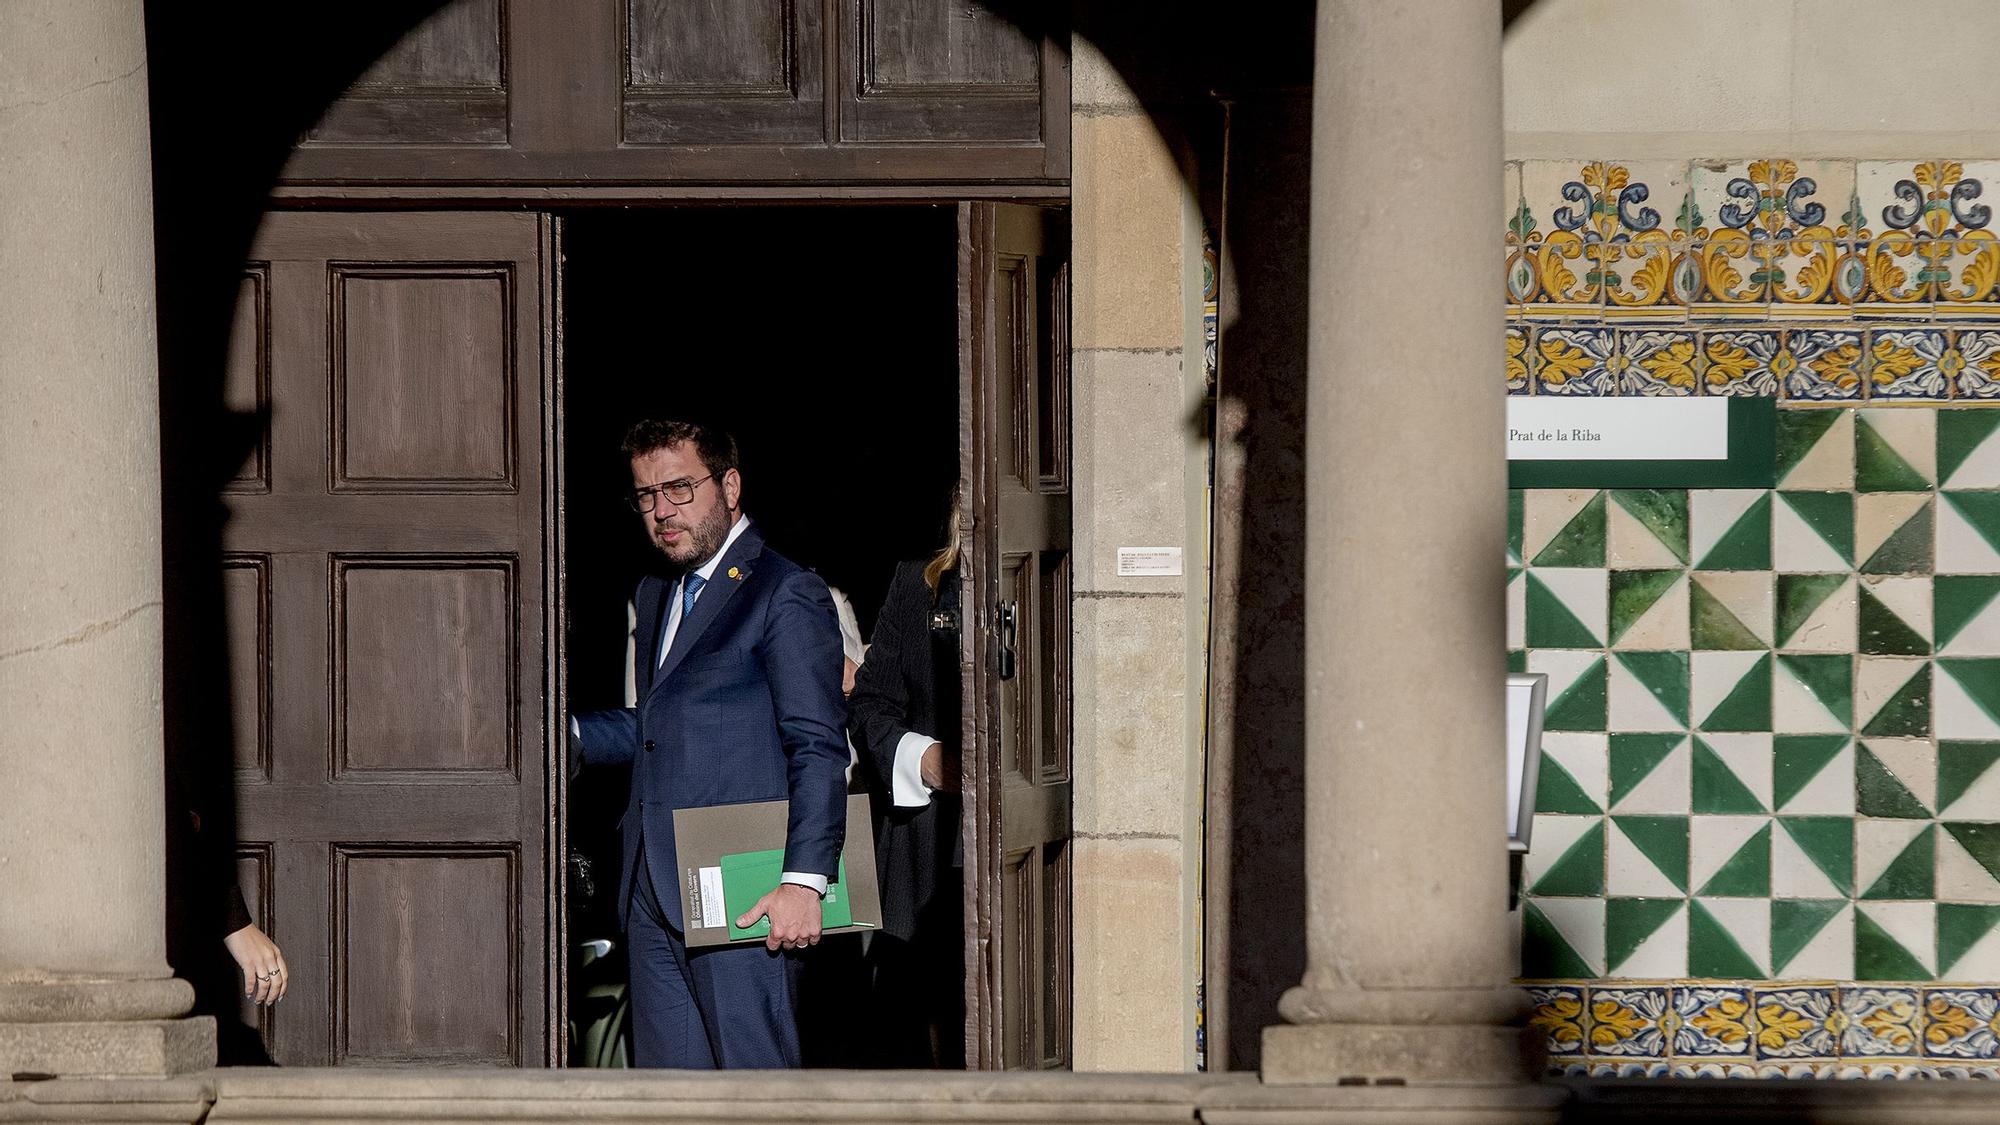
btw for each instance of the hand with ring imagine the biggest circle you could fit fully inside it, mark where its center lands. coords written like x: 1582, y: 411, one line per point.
x: 262, y: 964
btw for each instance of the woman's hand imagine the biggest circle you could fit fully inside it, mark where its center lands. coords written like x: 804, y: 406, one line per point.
x: 263, y: 966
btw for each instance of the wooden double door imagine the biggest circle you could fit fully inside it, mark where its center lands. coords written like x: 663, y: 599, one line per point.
x: 392, y: 569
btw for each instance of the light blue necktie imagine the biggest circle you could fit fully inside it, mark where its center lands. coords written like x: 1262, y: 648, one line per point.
x: 690, y: 586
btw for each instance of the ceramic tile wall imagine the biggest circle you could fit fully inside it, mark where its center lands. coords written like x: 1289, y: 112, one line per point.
x: 1768, y: 839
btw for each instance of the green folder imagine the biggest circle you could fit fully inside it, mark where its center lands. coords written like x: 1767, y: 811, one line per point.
x: 749, y: 876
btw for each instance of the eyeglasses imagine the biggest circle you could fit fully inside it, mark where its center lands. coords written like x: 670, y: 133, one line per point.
x: 677, y: 492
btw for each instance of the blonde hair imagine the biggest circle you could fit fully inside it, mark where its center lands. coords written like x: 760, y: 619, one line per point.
x: 947, y: 558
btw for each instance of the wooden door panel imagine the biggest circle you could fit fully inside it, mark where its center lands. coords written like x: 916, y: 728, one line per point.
x: 246, y: 388
x: 443, y: 83
x: 742, y: 72
x: 918, y: 70
x: 425, y: 955
x: 246, y: 599
x: 399, y: 666
x: 423, y: 377
x: 425, y: 665
x: 1016, y: 666
x: 582, y: 94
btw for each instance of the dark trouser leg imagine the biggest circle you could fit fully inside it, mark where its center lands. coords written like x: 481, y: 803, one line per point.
x: 750, y: 996
x: 667, y: 1025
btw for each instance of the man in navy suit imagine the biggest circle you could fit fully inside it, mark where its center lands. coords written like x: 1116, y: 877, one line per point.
x: 739, y: 667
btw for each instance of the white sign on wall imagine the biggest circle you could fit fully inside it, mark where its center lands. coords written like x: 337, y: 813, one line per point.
x: 1148, y: 562
x: 1617, y: 429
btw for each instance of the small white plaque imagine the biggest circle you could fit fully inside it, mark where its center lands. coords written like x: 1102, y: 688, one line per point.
x: 712, y: 913
x: 1617, y: 429
x: 1148, y: 562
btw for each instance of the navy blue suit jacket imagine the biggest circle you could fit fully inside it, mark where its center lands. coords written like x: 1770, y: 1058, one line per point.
x: 746, y: 707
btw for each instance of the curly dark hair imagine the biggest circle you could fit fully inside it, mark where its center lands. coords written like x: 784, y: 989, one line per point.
x: 715, y: 446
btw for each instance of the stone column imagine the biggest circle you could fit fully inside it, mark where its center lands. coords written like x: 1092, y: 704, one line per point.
x: 1406, y: 863
x: 84, y: 983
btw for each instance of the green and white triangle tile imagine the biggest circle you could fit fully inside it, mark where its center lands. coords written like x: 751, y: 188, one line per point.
x: 1649, y: 691
x: 1647, y: 528
x: 1894, y: 533
x: 1812, y: 939
x: 1517, y: 608
x: 1812, y: 693
x: 1730, y: 856
x: 1892, y: 696
x: 1815, y: 449
x: 1563, y: 527
x: 1571, y: 862
x: 1968, y: 784
x: 1566, y: 608
x: 1649, y: 609
x: 1645, y: 938
x: 1577, y: 690
x: 1573, y: 777
x: 1813, y: 774
x: 1895, y: 859
x: 1731, y: 774
x: 1895, y: 450
x: 1729, y: 937
x: 1517, y: 660
x: 1968, y: 449
x: 1894, y: 941
x: 1968, y: 533
x: 1561, y: 934
x: 1965, y: 861
x: 1894, y: 616
x: 1895, y: 777
x: 1731, y: 609
x: 1968, y: 941
x: 1732, y: 691
x: 1966, y: 615
x: 1816, y: 612
x: 1968, y: 699
x: 1647, y: 856
x: 1813, y: 531
x: 1730, y: 529
x: 1813, y: 857
x: 1516, y: 518
x: 1650, y: 773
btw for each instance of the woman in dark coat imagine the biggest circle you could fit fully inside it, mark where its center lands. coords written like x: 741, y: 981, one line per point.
x: 905, y: 716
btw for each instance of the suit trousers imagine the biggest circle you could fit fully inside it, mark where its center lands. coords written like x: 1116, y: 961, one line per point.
x: 725, y: 1007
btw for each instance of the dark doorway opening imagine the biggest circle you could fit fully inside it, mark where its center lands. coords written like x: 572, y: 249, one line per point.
x: 825, y: 338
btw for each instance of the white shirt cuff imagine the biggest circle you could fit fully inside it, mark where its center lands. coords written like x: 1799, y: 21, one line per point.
x: 814, y: 883
x: 906, y: 782
x: 575, y: 728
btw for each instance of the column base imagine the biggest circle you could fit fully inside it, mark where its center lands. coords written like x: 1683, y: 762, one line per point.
x: 1433, y: 1054
x: 134, y: 1048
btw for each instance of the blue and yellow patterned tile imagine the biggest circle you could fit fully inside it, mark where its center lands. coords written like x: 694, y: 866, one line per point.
x: 1796, y: 1023
x: 1968, y: 283
x: 1559, y: 269
x: 1911, y: 364
x: 1821, y: 365
x: 1959, y: 1023
x: 1638, y: 226
x: 1739, y: 362
x: 1979, y: 348
x: 1658, y: 361
x: 1714, y: 1022
x: 1807, y: 247
x: 1630, y: 1022
x: 1520, y: 380
x: 1556, y: 1012
x: 1575, y: 361
x: 1879, y: 1022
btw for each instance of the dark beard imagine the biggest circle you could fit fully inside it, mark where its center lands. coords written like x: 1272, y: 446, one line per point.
x: 706, y: 538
